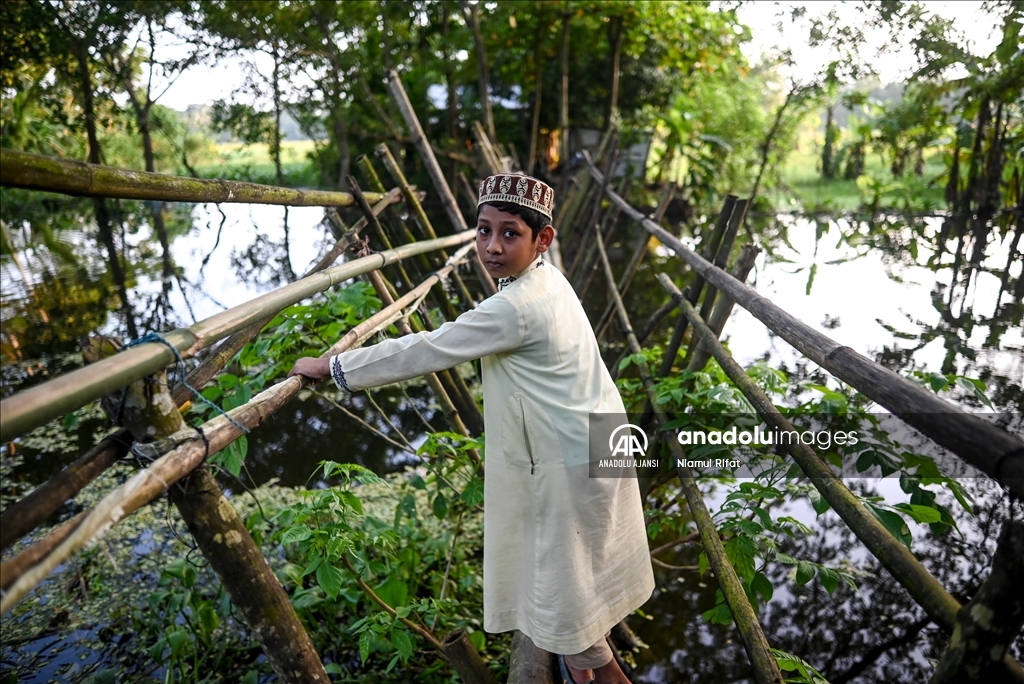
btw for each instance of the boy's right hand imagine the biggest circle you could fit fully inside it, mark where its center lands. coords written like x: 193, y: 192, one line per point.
x: 311, y: 367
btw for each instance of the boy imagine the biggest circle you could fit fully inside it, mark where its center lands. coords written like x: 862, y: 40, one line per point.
x: 565, y: 555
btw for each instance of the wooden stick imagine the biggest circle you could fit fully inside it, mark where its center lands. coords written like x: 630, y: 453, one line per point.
x: 529, y: 664
x: 766, y: 670
x: 981, y: 444
x: 51, y: 174
x: 465, y: 660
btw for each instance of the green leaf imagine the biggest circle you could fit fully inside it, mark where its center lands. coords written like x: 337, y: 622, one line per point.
x: 829, y: 579
x: 296, y: 534
x: 70, y: 421
x: 393, y: 592
x: 440, y: 506
x: 719, y: 615
x: 366, y: 642
x: 763, y: 586
x: 352, y: 501
x: 702, y: 563
x: 921, y: 514
x: 329, y: 579
x: 892, y: 522
x: 804, y: 572
x: 740, y: 550
x: 473, y: 494
x: 208, y: 619
x: 818, y: 503
x: 402, y: 643
x: 479, y: 640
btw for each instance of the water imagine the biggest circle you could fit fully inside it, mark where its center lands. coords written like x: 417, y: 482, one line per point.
x: 874, y: 298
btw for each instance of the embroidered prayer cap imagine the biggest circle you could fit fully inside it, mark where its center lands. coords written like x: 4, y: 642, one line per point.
x: 518, y: 189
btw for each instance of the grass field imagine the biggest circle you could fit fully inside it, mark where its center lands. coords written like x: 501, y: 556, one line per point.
x: 252, y: 162
x: 803, y: 177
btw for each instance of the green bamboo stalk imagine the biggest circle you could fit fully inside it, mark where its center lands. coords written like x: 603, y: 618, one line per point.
x: 766, y: 670
x: 51, y: 174
x: 981, y: 444
x: 37, y: 405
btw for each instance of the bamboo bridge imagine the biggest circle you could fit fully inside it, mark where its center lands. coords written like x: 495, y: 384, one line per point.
x: 590, y: 210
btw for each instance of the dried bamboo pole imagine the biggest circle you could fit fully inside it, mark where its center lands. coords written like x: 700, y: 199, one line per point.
x: 723, y: 307
x: 25, y: 515
x: 609, y: 224
x: 938, y: 603
x: 188, y: 452
x: 368, y: 214
x: 37, y: 405
x: 465, y: 660
x: 436, y: 174
x: 693, y: 292
x: 416, y: 208
x: 585, y: 247
x: 51, y: 174
x: 983, y: 445
x: 766, y: 670
x: 649, y: 327
x: 634, y: 262
x: 991, y: 620
x: 530, y: 664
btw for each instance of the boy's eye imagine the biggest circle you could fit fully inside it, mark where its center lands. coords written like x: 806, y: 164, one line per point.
x: 510, y: 234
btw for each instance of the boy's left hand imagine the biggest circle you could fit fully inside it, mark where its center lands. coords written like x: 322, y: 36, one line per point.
x: 311, y: 367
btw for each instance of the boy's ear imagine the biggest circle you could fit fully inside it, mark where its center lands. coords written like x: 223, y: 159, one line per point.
x: 545, y: 237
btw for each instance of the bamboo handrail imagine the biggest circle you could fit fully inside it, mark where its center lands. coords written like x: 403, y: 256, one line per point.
x: 924, y: 588
x: 26, y: 514
x: 766, y: 670
x: 37, y: 405
x: 52, y: 174
x: 995, y: 452
x: 19, y: 577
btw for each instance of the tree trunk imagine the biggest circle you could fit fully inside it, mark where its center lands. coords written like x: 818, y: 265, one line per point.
x: 472, y: 13
x: 538, y: 91
x: 828, y: 170
x: 106, y: 233
x: 615, y: 35
x: 563, y: 106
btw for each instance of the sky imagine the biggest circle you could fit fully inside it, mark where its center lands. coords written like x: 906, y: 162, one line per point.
x: 204, y: 84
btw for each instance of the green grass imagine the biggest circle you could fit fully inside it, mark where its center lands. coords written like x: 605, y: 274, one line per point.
x: 238, y: 161
x: 802, y: 176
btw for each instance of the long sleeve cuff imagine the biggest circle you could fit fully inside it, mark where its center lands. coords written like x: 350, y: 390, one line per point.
x: 337, y: 374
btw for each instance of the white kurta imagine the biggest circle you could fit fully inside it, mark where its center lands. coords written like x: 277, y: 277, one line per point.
x: 565, y: 555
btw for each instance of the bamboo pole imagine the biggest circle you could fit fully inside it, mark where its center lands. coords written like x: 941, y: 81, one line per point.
x: 981, y: 444
x: 766, y: 670
x: 530, y: 664
x: 465, y: 660
x: 148, y: 412
x: 51, y: 174
x: 37, y: 405
x: 938, y: 603
x: 436, y: 174
x: 188, y: 452
x: 416, y: 208
x: 26, y: 514
x: 634, y: 262
x: 23, y: 516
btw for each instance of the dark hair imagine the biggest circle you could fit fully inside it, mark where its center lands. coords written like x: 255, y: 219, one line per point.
x: 531, y: 217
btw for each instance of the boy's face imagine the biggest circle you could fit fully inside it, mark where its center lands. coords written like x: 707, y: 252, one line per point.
x: 505, y: 243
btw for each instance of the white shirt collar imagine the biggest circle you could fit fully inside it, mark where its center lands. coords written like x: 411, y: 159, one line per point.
x: 505, y: 282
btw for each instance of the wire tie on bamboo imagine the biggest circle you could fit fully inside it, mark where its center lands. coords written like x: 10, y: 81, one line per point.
x: 179, y: 365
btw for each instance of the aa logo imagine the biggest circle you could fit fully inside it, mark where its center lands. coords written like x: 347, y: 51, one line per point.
x: 628, y: 444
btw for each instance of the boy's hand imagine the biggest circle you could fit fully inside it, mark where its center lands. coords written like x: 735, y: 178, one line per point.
x: 311, y: 367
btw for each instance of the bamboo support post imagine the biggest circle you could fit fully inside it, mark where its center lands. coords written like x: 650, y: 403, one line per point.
x: 490, y: 157
x: 649, y: 327
x: 766, y: 670
x: 693, y: 292
x: 981, y: 444
x: 51, y: 174
x: 608, y: 225
x: 465, y: 660
x: 585, y: 246
x: 987, y: 624
x: 368, y: 214
x: 922, y: 586
x: 723, y: 307
x: 416, y: 208
x: 529, y: 664
x: 451, y: 207
x: 634, y: 262
x: 37, y: 405
x: 187, y: 451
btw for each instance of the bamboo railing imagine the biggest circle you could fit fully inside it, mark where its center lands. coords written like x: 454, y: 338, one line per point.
x: 33, y: 407
x: 51, y: 174
x: 994, y: 452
